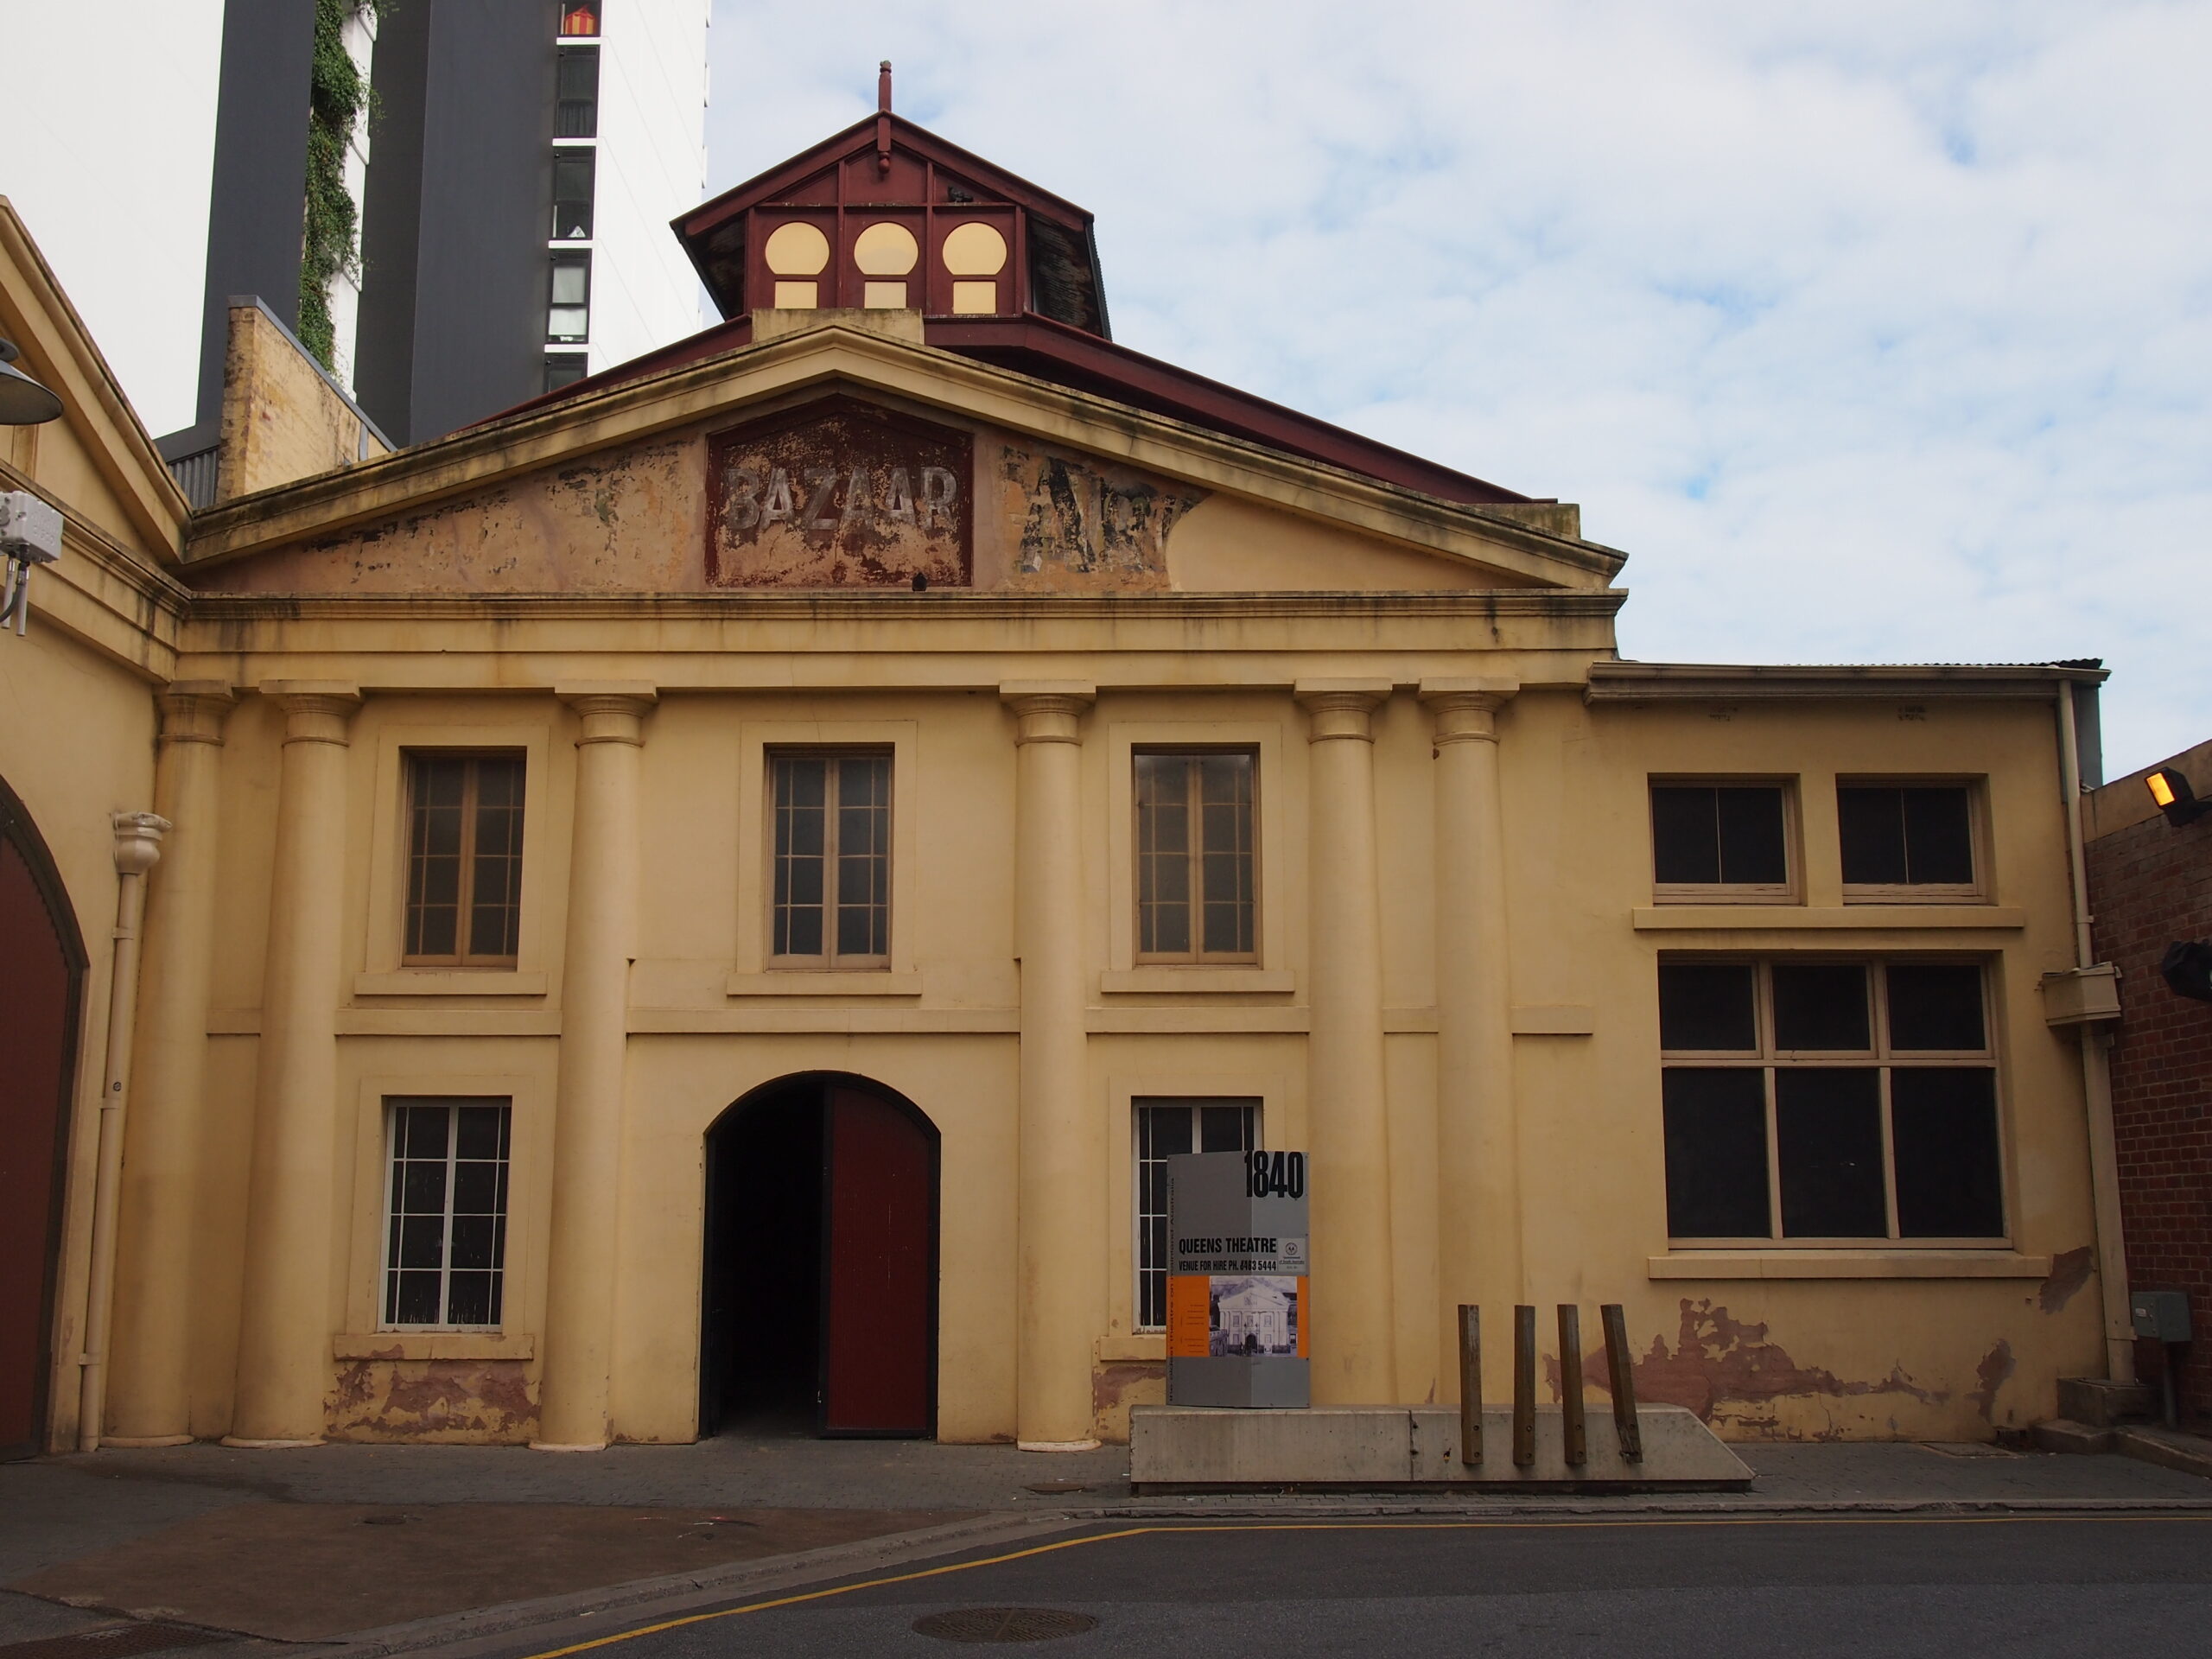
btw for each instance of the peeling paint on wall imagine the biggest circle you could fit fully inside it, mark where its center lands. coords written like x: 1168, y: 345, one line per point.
x: 1718, y: 1361
x: 2069, y: 1271
x: 1118, y: 1384
x: 1076, y: 525
x: 1996, y: 1368
x: 468, y: 1401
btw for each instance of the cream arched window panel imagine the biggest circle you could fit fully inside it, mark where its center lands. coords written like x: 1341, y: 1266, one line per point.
x: 795, y: 250
x: 883, y: 250
x: 975, y: 254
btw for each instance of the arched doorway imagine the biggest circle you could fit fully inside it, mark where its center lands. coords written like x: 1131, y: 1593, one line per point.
x: 41, y: 974
x: 819, y: 1290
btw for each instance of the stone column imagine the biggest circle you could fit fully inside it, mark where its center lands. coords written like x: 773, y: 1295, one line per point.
x: 1062, y: 1141
x: 284, y: 1328
x: 579, y: 1362
x: 1355, y: 1330
x: 148, y: 1394
x: 1478, y: 1160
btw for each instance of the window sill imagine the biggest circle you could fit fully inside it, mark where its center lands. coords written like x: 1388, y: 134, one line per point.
x: 1744, y: 918
x: 450, y: 981
x: 435, y: 1344
x: 1197, y: 981
x: 1134, y: 1348
x: 1848, y: 1264
x: 813, y: 981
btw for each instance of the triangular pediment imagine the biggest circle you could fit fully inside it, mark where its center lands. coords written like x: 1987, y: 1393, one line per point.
x: 842, y: 457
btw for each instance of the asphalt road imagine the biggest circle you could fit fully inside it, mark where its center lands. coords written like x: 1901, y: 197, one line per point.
x: 2140, y: 1585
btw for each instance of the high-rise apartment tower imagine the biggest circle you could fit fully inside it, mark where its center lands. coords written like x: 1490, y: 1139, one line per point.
x: 508, y: 167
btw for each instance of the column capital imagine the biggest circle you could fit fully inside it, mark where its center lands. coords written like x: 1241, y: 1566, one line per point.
x: 316, y: 711
x: 1048, y: 709
x: 138, y: 841
x: 193, y: 711
x: 1461, y: 710
x: 613, y: 711
x: 1341, y: 708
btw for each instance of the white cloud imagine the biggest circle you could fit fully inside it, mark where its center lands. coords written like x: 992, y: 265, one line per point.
x: 1878, y: 331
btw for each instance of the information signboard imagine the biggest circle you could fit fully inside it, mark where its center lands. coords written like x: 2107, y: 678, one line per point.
x: 1237, y: 1325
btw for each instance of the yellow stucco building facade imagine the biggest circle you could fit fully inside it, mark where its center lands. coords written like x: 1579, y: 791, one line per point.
x: 715, y: 890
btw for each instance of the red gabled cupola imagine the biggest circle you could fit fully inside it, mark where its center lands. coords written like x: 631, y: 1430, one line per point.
x: 887, y: 216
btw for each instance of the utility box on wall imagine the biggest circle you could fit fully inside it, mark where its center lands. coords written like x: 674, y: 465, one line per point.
x: 1237, y: 1326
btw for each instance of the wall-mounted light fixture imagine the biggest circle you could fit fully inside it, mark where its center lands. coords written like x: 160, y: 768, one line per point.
x: 2170, y: 791
x: 2187, y: 969
x: 23, y: 402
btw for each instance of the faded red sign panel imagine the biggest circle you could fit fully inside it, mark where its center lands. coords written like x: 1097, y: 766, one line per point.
x: 840, y: 495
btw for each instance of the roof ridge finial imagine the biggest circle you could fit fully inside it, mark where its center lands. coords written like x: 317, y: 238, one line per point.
x: 883, y: 119
x: 883, y: 86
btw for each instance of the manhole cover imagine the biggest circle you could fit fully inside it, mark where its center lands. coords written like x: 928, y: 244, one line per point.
x: 111, y: 1642
x: 1003, y: 1625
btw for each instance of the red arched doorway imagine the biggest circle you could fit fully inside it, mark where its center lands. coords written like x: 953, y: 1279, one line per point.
x: 41, y: 972
x: 819, y: 1290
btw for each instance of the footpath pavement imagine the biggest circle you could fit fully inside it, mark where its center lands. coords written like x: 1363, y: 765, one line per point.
x: 380, y: 1549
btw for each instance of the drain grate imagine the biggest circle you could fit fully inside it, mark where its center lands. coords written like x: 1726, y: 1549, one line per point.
x: 112, y: 1641
x: 1003, y: 1625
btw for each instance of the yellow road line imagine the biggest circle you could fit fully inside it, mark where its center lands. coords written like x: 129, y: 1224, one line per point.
x: 1352, y: 1526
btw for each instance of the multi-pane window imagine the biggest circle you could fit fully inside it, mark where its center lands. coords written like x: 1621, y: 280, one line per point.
x: 567, y: 313
x: 1165, y: 1127
x: 1830, y: 1101
x: 446, y: 1211
x: 464, y: 860
x: 576, y: 108
x: 1906, y: 840
x: 1719, y: 841
x: 1196, y: 876
x: 575, y: 176
x: 564, y: 369
x: 832, y: 878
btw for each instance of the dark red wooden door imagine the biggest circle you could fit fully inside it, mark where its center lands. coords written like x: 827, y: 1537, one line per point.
x: 37, y: 997
x: 879, y: 1316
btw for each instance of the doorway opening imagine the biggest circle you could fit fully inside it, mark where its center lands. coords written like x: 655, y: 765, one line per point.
x: 42, y: 964
x: 819, y: 1283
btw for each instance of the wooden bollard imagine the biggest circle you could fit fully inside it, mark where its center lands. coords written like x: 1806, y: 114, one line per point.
x: 1619, y: 1370
x: 1470, y: 1385
x: 1572, y: 1432
x: 1524, y: 1385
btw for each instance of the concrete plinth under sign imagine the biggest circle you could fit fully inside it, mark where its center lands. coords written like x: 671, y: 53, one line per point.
x: 1180, y: 1448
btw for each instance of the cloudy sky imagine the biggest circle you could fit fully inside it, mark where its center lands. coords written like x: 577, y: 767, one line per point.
x: 1878, y: 331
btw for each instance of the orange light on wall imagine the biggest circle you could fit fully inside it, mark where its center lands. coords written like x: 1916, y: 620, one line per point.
x: 2170, y: 793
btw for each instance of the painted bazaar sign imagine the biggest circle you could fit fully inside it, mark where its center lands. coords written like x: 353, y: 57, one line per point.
x: 840, y: 495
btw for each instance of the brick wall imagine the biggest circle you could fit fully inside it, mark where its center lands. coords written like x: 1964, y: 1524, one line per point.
x: 2150, y: 884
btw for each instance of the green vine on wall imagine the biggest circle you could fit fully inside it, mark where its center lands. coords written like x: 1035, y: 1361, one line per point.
x: 330, y: 243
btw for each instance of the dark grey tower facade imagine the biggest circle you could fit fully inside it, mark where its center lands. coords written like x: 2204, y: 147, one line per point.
x: 454, y: 229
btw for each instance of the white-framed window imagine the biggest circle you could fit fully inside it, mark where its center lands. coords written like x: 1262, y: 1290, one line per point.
x: 445, y: 1211
x: 1824, y: 1100
x: 1163, y: 1128
x: 1908, y: 839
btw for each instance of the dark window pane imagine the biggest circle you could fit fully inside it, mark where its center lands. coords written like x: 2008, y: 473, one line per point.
x: 481, y: 1132
x: 415, y: 1298
x: 423, y: 1189
x: 475, y: 1190
x: 1716, y: 1152
x: 421, y: 1132
x: 564, y: 369
x: 572, y: 194
x: 1706, y: 1008
x: 1225, y: 1129
x: 423, y: 1240
x: 1937, y: 1007
x: 1685, y: 835
x: 1870, y: 823
x: 1828, y: 1126
x: 1751, y: 846
x: 1171, y: 1130
x: 1943, y: 1125
x: 576, y: 105
x: 472, y: 1241
x: 1822, y: 1005
x: 468, y: 1298
x: 1938, y: 843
